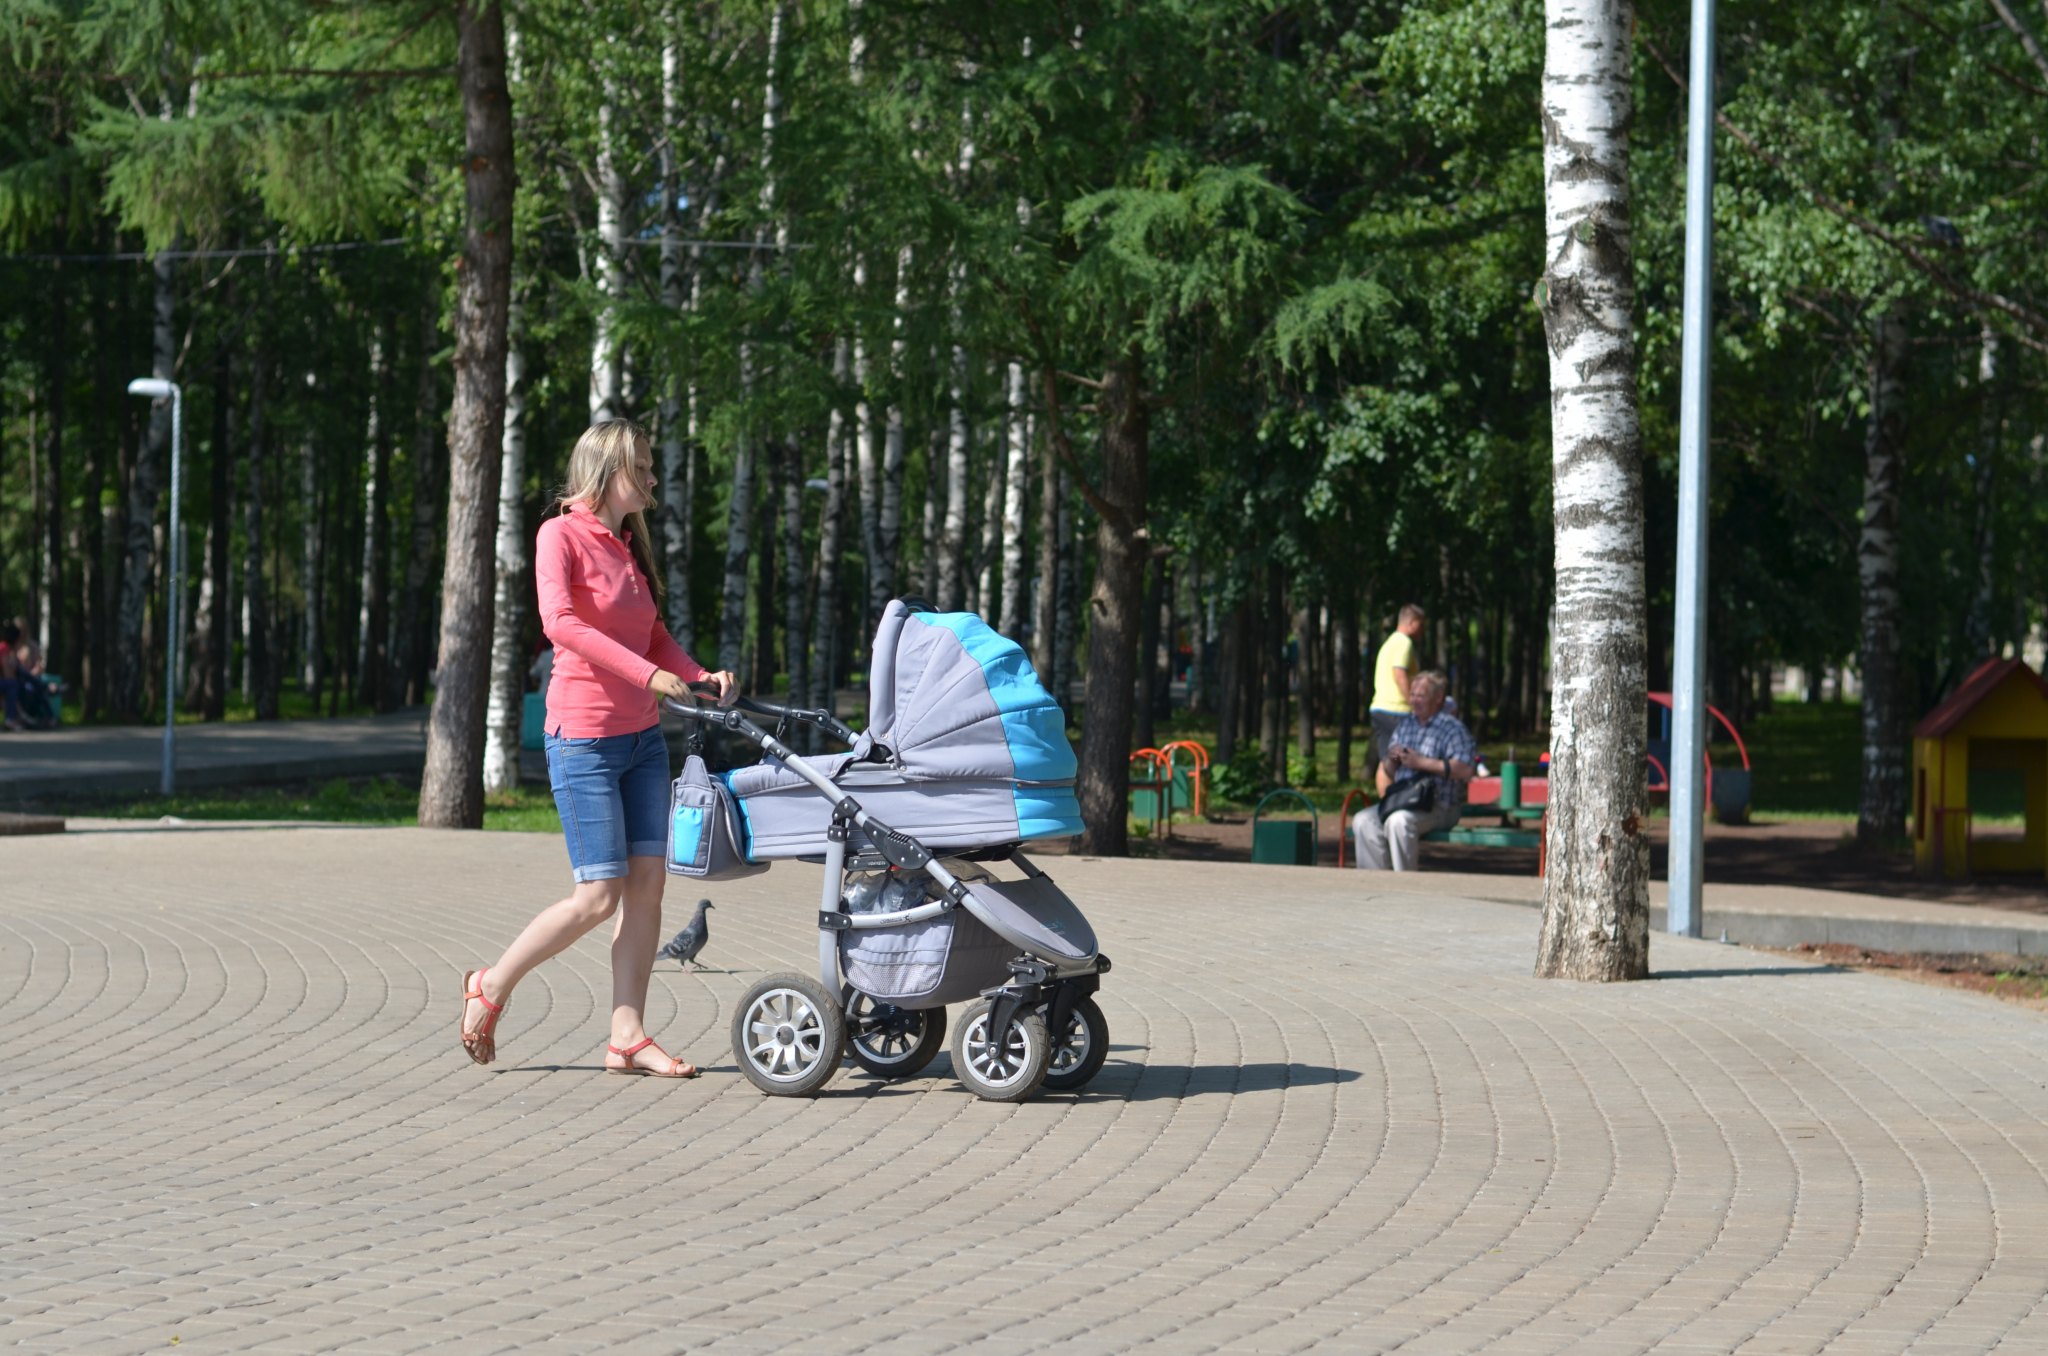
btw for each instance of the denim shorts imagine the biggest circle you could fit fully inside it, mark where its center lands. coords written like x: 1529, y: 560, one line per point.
x: 613, y: 796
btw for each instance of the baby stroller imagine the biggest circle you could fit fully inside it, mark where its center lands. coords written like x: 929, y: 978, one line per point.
x: 965, y: 758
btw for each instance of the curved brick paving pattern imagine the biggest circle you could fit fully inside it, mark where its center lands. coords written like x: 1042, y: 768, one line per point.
x: 234, y: 1111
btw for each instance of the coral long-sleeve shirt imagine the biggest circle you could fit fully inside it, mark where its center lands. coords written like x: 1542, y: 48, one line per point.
x: 598, y: 609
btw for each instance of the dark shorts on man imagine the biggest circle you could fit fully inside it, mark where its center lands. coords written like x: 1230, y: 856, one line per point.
x: 1384, y: 723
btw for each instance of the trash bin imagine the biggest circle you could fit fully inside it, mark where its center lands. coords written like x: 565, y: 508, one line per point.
x: 1731, y: 795
x: 1284, y: 842
x: 533, y: 719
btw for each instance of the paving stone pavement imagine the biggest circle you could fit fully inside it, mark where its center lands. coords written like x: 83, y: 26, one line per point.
x: 1338, y: 1116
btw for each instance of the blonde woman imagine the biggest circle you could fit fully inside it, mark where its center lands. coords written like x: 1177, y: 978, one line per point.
x: 614, y: 661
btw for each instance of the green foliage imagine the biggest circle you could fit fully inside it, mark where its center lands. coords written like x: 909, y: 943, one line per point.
x: 1244, y: 778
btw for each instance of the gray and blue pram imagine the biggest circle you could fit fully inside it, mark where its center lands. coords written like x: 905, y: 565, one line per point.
x: 964, y: 759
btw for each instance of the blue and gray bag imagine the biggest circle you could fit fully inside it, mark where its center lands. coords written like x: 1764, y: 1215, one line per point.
x: 703, y: 828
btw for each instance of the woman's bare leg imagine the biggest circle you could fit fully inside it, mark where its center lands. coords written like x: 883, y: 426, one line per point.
x: 554, y: 930
x: 636, y: 936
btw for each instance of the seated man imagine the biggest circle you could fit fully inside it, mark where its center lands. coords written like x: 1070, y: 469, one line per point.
x: 1430, y: 743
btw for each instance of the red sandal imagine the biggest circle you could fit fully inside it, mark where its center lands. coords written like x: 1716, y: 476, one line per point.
x: 481, y: 1043
x: 676, y: 1067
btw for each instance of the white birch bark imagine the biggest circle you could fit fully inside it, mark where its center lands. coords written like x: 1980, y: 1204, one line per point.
x: 953, y: 535
x: 739, y: 521
x: 672, y: 517
x: 1597, y: 887
x: 825, y: 617
x: 309, y: 561
x: 869, y: 460
x: 795, y: 617
x: 985, y: 599
x: 606, y: 357
x: 506, y: 706
x: 1017, y: 478
x: 934, y: 512
x: 372, y: 510
x: 889, y: 518
x: 1881, y: 811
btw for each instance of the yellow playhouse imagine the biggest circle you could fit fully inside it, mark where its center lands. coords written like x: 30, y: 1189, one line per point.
x: 1980, y: 757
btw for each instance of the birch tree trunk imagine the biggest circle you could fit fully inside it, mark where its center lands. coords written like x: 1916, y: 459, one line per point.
x: 1045, y: 605
x: 504, y: 717
x: 674, y: 519
x: 261, y: 650
x: 372, y: 685
x: 953, y: 535
x: 867, y: 456
x: 825, y: 618
x: 1103, y: 782
x: 138, y: 572
x: 1596, y: 893
x: 1881, y: 810
x: 214, y: 614
x: 795, y: 620
x: 452, y: 788
x: 739, y: 520
x: 889, y: 519
x: 1017, y: 481
x: 986, y: 601
x: 1977, y: 621
x: 606, y: 356
x: 309, y: 564
x: 1069, y: 601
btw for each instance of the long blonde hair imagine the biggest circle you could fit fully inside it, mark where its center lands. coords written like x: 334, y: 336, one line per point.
x: 604, y: 450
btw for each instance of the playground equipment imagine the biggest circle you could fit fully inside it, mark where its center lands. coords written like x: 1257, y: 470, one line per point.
x: 1285, y: 842
x: 1157, y: 784
x: 1983, y: 752
x: 1188, y: 792
x: 1727, y: 791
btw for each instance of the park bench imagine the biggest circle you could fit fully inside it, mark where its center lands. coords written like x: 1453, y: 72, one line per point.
x: 1516, y: 820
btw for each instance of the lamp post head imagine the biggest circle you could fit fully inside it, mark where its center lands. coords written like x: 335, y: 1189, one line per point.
x: 156, y: 388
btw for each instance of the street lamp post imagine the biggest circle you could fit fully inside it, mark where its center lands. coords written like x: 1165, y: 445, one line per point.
x: 1689, y: 640
x: 156, y: 388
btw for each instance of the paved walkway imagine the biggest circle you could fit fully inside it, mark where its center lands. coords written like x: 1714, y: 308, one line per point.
x: 1337, y: 1117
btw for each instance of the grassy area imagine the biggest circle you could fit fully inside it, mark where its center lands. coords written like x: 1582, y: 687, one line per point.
x: 1806, y: 761
x: 292, y: 704
x: 342, y: 800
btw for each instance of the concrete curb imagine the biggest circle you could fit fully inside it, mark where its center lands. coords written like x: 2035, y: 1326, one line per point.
x: 1790, y: 916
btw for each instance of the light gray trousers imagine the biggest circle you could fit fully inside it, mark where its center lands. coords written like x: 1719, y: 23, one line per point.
x: 1400, y: 837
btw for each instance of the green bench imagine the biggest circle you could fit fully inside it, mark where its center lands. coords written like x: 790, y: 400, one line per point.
x: 1505, y: 831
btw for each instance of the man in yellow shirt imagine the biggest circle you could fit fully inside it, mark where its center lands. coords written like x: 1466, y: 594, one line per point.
x: 1391, y: 673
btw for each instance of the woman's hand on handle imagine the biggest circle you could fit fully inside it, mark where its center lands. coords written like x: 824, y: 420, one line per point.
x: 727, y: 685
x: 669, y: 685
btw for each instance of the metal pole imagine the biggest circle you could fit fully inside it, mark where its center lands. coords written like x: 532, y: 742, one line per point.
x: 177, y: 544
x: 1689, y: 641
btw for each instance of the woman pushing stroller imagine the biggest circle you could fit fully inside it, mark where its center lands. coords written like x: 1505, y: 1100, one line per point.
x: 599, y: 595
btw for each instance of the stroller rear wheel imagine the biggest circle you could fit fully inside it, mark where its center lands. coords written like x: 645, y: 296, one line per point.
x: 892, y: 1042
x: 787, y: 1035
x: 1005, y: 1070
x: 1079, y: 1050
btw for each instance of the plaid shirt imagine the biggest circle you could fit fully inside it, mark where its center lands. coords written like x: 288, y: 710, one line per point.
x: 1444, y: 737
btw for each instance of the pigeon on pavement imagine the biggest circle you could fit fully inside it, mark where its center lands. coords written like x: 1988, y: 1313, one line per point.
x: 685, y: 945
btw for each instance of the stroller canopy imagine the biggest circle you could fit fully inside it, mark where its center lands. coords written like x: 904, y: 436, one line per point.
x: 952, y: 698
x: 976, y: 751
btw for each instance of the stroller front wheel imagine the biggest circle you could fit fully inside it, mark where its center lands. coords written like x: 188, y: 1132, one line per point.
x: 1081, y: 1052
x: 787, y: 1035
x: 892, y: 1042
x: 1008, y: 1069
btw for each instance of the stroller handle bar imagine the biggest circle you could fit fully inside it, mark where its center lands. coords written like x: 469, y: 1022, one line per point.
x: 802, y: 715
x: 899, y: 849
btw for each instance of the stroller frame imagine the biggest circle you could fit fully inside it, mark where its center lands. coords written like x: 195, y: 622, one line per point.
x: 1051, y: 1032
